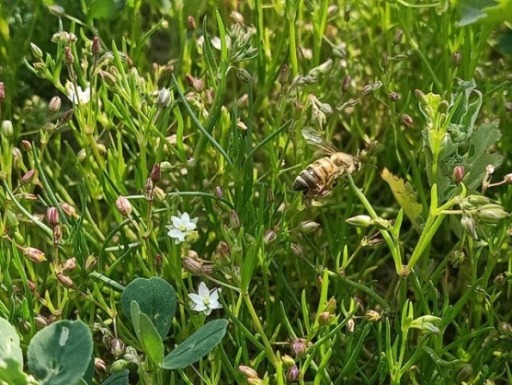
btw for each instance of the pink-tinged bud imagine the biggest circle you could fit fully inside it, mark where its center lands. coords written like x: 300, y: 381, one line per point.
x: 69, y: 264
x: 148, y: 189
x: 325, y: 318
x: 96, y: 46
x: 191, y: 23
x: 2, y: 92
x: 123, y: 206
x: 196, y: 84
x: 156, y: 173
x: 68, y: 56
x: 31, y: 286
x: 65, y: 280
x: 508, y: 178
x: 394, y: 96
x: 26, y: 146
x: 366, y: 89
x: 218, y: 192
x: 28, y: 177
x: 243, y: 101
x: 57, y: 234
x: 35, y: 255
x: 269, y: 237
x: 299, y: 347
x: 54, y: 105
x: 293, y: 374
x: 247, y: 371
x: 41, y: 321
x: 458, y: 174
x: 296, y: 249
x: 69, y: 210
x: 237, y: 17
x: 372, y: 315
x: 100, y: 365
x: 52, y: 216
x: 66, y: 116
x: 407, y: 120
x: 255, y: 381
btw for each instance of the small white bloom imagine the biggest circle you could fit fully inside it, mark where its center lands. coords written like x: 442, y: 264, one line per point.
x: 205, y: 300
x: 83, y: 96
x: 181, y: 227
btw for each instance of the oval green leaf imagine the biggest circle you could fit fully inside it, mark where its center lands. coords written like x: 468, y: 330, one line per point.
x: 147, y: 335
x: 9, y: 342
x: 60, y: 353
x: 196, y: 346
x: 120, y: 378
x: 156, y: 298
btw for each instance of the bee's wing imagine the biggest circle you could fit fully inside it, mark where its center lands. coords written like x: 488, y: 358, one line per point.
x: 314, y: 139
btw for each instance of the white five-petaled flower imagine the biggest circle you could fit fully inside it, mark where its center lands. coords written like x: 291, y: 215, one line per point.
x: 82, y: 96
x: 205, y: 300
x: 181, y: 227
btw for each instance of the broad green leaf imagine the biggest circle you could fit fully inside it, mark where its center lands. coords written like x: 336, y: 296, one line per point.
x: 89, y: 373
x: 405, y: 196
x: 196, y: 346
x: 147, y: 334
x: 12, y: 374
x: 120, y: 378
x: 156, y: 298
x: 60, y: 353
x: 505, y: 42
x: 9, y: 342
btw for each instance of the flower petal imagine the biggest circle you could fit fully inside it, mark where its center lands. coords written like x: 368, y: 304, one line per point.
x: 196, y: 298
x: 185, y: 218
x: 190, y: 226
x: 215, y: 305
x: 175, y: 233
x: 176, y: 221
x: 198, y: 306
x: 214, y: 296
x: 203, y: 290
x: 207, y: 311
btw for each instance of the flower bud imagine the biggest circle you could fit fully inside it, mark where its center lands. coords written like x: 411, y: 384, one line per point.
x: 293, y: 374
x: 372, y: 315
x: 324, y: 318
x: 456, y: 58
x: 65, y: 280
x: 69, y: 210
x: 123, y: 206
x: 96, y: 46
x: 54, y: 105
x: 35, y: 255
x: 382, y: 224
x: 491, y: 213
x: 69, y: 264
x: 90, y: 262
x: 100, y: 365
x: 360, y: 221
x: 156, y: 173
x: 244, y: 76
x: 234, y: 220
x: 7, y: 129
x: 397, y: 39
x: 351, y: 325
x: 299, y: 347
x: 331, y: 305
x: 394, y: 96
x: 247, y: 371
x: 269, y: 237
x: 36, y: 51
x: 52, y: 216
x: 288, y: 360
x: 296, y: 249
x: 68, y: 56
x: 41, y: 321
x: 308, y: 226
x: 196, y: 84
x: 255, y: 381
x: 164, y: 98
x: 407, y: 120
x: 458, y: 174
x: 57, y: 234
x: 2, y: 92
x: 191, y: 23
x: 117, y: 347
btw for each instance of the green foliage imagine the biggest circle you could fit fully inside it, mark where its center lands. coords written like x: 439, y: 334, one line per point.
x: 60, y: 353
x: 155, y: 298
x: 486, y: 11
x: 196, y: 346
x: 120, y: 378
x: 10, y: 343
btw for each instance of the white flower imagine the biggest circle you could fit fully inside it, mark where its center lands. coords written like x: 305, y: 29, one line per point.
x: 205, y: 300
x: 181, y: 227
x: 83, y: 95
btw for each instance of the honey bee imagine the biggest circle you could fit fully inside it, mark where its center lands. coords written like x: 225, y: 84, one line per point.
x: 319, y: 178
